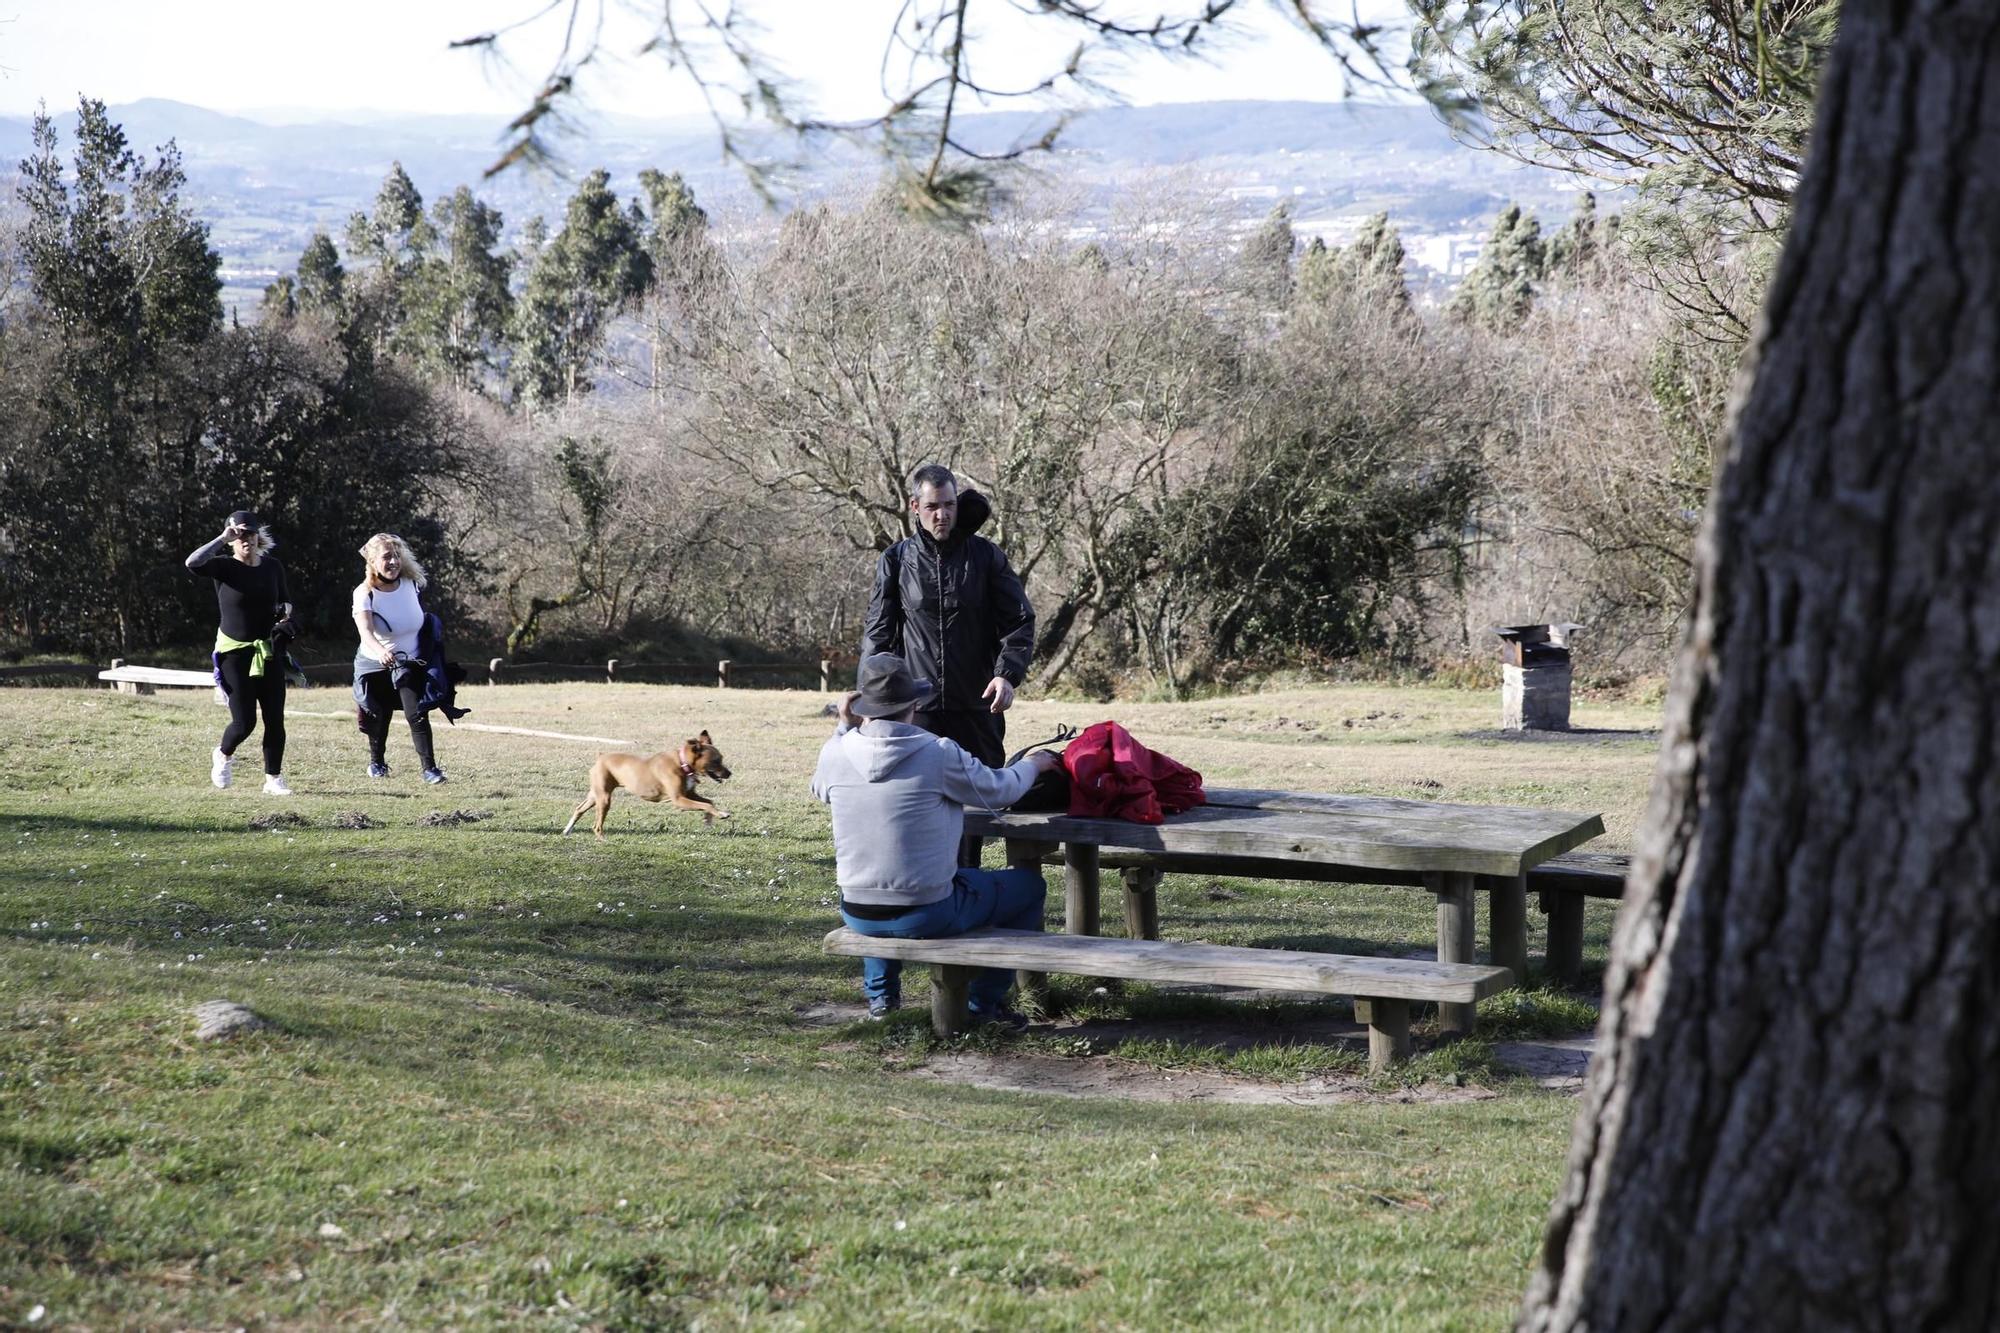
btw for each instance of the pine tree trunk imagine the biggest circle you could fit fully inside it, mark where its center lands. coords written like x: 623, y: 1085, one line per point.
x: 1793, y: 1120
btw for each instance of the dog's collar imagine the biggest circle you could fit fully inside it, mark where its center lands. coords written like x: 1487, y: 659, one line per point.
x: 685, y: 760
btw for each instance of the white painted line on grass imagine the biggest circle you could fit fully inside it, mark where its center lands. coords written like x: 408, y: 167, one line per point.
x: 481, y: 726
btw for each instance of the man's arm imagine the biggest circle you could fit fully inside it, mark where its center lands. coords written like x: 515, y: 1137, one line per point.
x: 822, y: 786
x: 882, y: 629
x: 970, y: 782
x: 1013, y: 626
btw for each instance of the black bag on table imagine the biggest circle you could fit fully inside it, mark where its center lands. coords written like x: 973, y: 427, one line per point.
x: 1051, y: 789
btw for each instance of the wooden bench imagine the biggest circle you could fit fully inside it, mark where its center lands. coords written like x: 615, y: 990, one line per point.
x: 142, y: 679
x: 1561, y: 883
x: 1382, y: 987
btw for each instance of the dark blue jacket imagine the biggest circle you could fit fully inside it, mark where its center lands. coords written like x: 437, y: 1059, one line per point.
x: 440, y: 676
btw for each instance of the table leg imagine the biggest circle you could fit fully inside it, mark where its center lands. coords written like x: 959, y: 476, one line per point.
x: 1080, y: 887
x: 1454, y: 900
x: 1028, y: 856
x: 1507, y: 922
x: 1142, y: 902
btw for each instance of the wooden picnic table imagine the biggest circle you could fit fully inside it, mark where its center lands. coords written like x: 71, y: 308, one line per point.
x: 1455, y: 850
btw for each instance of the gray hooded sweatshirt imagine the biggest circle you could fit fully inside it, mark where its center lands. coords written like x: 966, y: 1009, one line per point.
x: 899, y: 795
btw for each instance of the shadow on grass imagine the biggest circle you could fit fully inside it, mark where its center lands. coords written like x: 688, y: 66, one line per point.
x: 1574, y: 735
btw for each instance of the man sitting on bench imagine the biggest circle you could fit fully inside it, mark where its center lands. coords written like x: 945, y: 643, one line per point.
x: 899, y: 795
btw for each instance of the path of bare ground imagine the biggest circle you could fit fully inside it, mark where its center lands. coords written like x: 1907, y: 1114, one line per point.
x: 1556, y: 1063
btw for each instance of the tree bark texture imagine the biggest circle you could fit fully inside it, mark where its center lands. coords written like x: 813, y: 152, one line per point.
x: 1793, y: 1118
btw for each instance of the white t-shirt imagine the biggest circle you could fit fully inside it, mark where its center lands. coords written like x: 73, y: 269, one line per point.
x: 398, y: 613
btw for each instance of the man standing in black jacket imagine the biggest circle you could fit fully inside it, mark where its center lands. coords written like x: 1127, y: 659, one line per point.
x: 947, y: 602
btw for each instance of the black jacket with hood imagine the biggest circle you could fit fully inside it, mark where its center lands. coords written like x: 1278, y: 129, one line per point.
x: 954, y: 610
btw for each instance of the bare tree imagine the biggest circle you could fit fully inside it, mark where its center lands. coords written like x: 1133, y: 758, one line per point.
x: 1611, y: 413
x: 1069, y: 391
x: 587, y: 522
x: 1793, y: 1118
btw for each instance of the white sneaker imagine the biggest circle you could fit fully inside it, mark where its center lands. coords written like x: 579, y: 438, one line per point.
x: 274, y: 785
x: 218, y: 768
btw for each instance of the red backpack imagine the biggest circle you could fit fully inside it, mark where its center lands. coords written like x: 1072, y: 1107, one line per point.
x: 1112, y: 775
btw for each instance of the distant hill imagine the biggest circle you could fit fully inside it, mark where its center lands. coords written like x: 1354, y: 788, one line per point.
x: 265, y: 187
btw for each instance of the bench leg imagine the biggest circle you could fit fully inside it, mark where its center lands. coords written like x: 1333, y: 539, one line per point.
x: 1388, y: 1031
x: 948, y: 995
x: 1034, y: 986
x: 1454, y: 917
x: 1142, y: 902
x: 1565, y: 913
x: 1507, y: 922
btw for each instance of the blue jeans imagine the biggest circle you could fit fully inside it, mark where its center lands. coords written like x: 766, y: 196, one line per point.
x: 1009, y: 898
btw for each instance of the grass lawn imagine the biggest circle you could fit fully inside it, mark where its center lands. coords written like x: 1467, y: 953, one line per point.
x: 515, y: 1077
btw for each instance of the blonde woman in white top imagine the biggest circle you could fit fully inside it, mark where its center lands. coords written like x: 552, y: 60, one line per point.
x: 389, y: 615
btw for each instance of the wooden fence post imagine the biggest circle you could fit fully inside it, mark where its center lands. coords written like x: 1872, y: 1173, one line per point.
x: 493, y: 670
x: 722, y: 674
x: 825, y: 675
x: 611, y: 672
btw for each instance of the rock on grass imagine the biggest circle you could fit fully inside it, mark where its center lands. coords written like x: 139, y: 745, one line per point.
x: 217, y: 1020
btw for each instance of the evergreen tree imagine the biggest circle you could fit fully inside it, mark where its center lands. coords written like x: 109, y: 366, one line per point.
x: 1370, y: 269
x: 280, y: 301
x: 389, y: 247
x: 321, y: 285
x: 125, y: 288
x: 1374, y: 263
x: 459, y: 304
x: 1319, y: 274
x: 1267, y: 259
x: 674, y: 214
x: 591, y: 270
x: 1500, y: 290
x: 1584, y: 243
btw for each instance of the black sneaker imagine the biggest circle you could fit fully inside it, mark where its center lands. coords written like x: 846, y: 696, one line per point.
x: 434, y: 776
x: 881, y: 1009
x: 1012, y: 1020
x: 377, y: 769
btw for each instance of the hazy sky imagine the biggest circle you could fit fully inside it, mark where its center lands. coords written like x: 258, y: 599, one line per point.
x: 266, y: 55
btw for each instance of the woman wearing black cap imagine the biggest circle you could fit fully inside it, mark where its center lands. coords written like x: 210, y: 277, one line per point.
x: 255, y: 607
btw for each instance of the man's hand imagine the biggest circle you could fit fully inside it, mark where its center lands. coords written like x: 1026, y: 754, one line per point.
x: 1046, y: 761
x: 847, y: 717
x: 999, y: 695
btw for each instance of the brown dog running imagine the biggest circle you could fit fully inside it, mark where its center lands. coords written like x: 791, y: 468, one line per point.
x: 668, y: 775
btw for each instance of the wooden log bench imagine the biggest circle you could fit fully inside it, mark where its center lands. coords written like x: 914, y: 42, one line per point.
x: 1382, y: 987
x: 1561, y: 883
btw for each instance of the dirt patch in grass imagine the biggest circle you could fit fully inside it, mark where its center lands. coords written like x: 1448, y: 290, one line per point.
x: 1557, y: 1063
x: 440, y: 819
x: 280, y: 819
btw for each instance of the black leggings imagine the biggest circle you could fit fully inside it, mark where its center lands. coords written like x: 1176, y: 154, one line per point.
x: 383, y: 699
x: 245, y: 693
